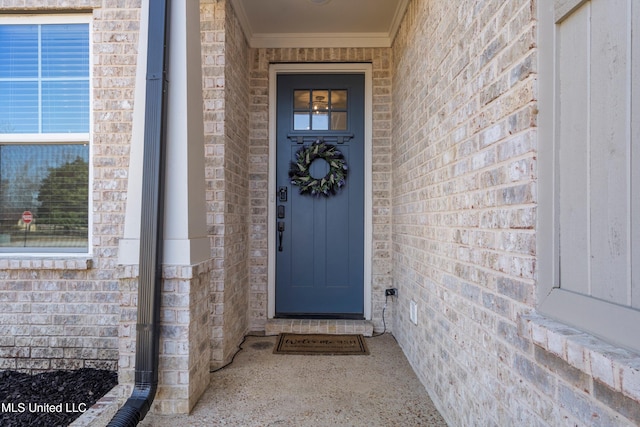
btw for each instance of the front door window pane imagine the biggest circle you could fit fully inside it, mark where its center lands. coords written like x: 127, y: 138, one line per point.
x: 301, y: 99
x: 320, y: 121
x: 320, y: 109
x: 320, y: 100
x: 338, y: 120
x: 301, y: 121
x: 339, y: 99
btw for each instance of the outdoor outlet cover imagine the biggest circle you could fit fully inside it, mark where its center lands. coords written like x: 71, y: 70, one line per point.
x: 413, y: 312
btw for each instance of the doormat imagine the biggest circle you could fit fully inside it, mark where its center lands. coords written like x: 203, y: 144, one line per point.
x: 321, y: 344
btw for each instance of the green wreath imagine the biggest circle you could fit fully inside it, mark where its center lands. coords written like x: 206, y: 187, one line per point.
x: 331, y: 182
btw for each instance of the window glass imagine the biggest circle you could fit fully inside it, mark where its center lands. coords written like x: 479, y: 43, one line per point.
x: 338, y: 120
x: 301, y: 121
x: 65, y: 51
x: 320, y: 101
x: 339, y: 99
x: 301, y: 99
x: 46, y: 64
x: 51, y: 182
x: 320, y: 120
x: 18, y: 51
x: 65, y: 106
x: 18, y: 107
x: 320, y: 109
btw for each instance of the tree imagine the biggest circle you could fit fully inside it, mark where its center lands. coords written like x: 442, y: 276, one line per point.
x: 64, y: 196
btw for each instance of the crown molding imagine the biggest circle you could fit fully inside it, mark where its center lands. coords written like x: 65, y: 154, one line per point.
x: 241, y: 14
x: 329, y: 40
x: 397, y: 20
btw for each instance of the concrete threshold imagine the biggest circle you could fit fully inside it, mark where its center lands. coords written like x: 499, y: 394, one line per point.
x: 318, y: 326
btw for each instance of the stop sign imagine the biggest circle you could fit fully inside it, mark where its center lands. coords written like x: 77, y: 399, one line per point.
x: 27, y: 217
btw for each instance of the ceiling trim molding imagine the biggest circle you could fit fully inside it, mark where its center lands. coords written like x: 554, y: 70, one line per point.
x: 238, y: 7
x: 315, y: 40
x: 335, y: 40
x: 397, y: 20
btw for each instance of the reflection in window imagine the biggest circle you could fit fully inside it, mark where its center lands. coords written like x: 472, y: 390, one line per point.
x: 52, y: 182
x: 320, y: 109
x: 339, y: 120
x: 320, y: 120
x: 301, y: 120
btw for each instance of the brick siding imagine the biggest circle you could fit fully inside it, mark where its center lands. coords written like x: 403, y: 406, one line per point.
x: 226, y: 100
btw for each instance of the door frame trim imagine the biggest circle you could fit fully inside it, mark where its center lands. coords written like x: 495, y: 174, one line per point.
x: 321, y: 68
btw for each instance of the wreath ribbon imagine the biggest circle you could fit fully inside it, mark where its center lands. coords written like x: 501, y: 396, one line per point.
x: 329, y: 184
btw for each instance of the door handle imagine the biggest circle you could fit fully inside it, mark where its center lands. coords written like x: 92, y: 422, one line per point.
x: 280, y: 233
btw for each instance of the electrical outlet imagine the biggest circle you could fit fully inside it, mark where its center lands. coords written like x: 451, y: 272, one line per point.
x: 413, y: 312
x: 391, y: 292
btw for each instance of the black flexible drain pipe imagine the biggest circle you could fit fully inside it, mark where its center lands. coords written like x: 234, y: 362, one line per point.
x: 151, y: 224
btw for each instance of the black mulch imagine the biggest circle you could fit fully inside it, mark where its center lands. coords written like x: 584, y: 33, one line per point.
x: 50, y: 399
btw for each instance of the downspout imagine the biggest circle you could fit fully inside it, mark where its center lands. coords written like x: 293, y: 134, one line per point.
x: 151, y: 225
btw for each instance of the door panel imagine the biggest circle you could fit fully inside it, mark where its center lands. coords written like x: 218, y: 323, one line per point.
x: 320, y: 267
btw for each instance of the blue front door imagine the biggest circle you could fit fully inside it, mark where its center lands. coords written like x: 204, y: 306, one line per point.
x: 320, y: 237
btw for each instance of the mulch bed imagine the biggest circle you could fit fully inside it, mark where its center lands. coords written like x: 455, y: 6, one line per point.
x: 51, y: 398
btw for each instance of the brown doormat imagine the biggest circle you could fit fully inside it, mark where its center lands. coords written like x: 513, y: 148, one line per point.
x: 321, y: 344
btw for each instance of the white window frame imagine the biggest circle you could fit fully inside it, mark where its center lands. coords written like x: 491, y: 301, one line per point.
x: 613, y: 323
x: 57, y: 138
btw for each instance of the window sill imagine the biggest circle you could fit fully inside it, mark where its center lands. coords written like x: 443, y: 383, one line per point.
x: 616, y: 367
x: 47, y: 263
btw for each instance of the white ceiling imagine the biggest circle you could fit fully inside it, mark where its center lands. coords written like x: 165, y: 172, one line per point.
x: 335, y: 23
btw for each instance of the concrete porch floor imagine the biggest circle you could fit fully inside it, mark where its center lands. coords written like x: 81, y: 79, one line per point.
x: 264, y: 389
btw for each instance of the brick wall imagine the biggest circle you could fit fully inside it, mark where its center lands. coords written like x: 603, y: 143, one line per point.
x: 380, y: 58
x: 63, y: 313
x: 464, y: 212
x: 236, y: 278
x: 212, y: 45
x: 226, y: 98
x: 184, y: 356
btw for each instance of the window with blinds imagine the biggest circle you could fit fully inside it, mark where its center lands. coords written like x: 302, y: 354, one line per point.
x: 44, y: 135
